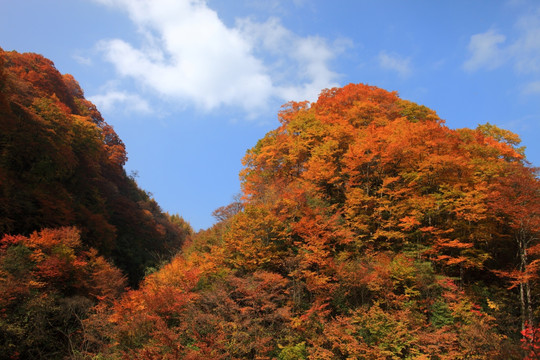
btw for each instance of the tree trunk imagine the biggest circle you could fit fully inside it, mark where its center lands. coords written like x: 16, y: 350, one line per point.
x: 524, y: 286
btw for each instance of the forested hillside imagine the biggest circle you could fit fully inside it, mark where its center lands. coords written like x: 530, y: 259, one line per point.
x: 61, y: 164
x: 74, y: 228
x: 366, y: 229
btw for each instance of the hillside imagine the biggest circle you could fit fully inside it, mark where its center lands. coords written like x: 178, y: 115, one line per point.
x: 368, y: 230
x: 61, y: 164
x: 75, y: 230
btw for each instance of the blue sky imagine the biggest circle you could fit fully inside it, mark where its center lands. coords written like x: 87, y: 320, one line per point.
x: 191, y: 85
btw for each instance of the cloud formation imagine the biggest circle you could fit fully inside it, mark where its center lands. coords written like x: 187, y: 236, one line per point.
x: 120, y: 99
x: 491, y: 50
x: 531, y: 88
x: 83, y: 60
x: 290, y: 57
x: 395, y: 63
x: 485, y: 51
x: 188, y: 54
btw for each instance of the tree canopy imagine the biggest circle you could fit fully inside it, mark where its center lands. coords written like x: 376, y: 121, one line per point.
x: 368, y: 229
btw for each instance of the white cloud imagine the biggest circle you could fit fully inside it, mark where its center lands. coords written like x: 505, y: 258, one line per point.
x: 112, y: 100
x: 526, y: 49
x: 490, y: 50
x: 532, y: 88
x: 395, y: 63
x: 485, y: 51
x: 189, y: 55
x: 83, y: 60
x: 290, y: 57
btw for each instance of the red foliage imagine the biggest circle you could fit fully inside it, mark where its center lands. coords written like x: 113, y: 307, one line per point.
x: 531, y: 342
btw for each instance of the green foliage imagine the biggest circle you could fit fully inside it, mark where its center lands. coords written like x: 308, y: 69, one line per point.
x: 293, y: 352
x: 17, y: 261
x: 440, y: 314
x: 502, y: 135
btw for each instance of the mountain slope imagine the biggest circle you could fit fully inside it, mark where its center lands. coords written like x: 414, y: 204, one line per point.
x: 368, y: 230
x: 61, y: 165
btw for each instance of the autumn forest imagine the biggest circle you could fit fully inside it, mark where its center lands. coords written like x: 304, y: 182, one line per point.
x: 367, y: 228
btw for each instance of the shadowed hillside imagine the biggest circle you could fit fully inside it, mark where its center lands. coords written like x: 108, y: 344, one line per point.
x: 61, y: 164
